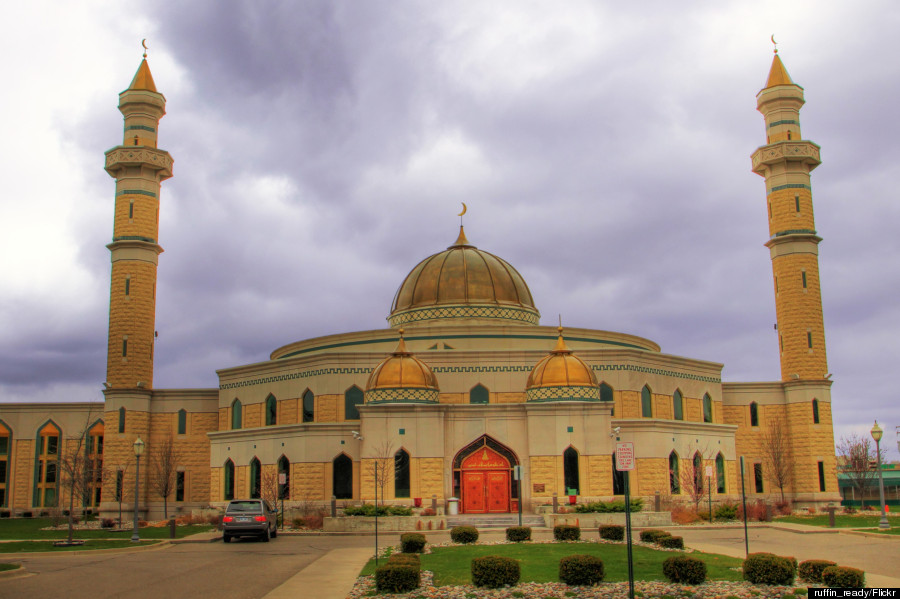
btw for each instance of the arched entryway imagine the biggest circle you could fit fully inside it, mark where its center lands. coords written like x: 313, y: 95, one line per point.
x: 482, y: 477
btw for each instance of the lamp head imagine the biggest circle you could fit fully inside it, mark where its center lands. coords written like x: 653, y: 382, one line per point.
x: 877, y: 432
x: 138, y: 447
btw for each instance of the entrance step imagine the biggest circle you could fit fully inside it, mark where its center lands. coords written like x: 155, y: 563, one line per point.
x: 495, y: 520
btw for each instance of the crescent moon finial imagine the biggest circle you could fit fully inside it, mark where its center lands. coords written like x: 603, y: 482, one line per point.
x: 144, y: 44
x: 774, y: 43
x: 463, y: 210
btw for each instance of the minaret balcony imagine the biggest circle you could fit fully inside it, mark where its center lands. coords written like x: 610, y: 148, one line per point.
x: 140, y: 156
x: 786, y: 151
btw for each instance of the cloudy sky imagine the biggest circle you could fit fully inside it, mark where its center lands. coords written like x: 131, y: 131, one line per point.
x: 322, y: 148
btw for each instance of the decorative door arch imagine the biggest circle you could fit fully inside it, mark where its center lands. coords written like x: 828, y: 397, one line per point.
x: 482, y: 477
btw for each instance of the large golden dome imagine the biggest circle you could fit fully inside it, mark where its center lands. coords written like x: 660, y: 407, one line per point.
x: 562, y: 376
x: 402, y: 377
x: 463, y: 282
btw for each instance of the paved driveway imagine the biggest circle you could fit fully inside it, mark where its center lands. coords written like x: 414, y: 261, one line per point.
x: 238, y: 570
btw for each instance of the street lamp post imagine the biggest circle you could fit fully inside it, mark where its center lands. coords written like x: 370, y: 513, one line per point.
x: 876, y: 434
x: 138, y: 450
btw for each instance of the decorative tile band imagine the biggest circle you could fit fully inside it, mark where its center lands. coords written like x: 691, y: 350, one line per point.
x: 790, y: 186
x: 462, y: 370
x: 795, y: 232
x: 406, y: 395
x: 465, y: 311
x: 584, y: 393
x: 784, y: 122
x: 139, y: 192
x: 141, y: 128
x: 134, y: 238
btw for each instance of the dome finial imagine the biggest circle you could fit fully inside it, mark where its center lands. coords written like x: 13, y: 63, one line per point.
x: 561, y: 347
x: 144, y: 44
x: 401, y: 346
x: 774, y: 43
x: 461, y: 241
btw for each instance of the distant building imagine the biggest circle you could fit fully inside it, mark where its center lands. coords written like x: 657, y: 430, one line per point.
x: 463, y: 386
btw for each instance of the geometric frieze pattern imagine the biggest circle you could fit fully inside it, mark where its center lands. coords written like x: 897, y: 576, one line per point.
x: 305, y: 374
x: 136, y: 192
x: 140, y: 128
x: 584, y: 393
x: 786, y: 149
x: 401, y: 395
x: 784, y: 122
x: 465, y: 311
x: 140, y: 155
x: 795, y: 232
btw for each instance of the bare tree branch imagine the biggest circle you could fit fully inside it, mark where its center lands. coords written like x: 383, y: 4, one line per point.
x: 777, y: 457
x: 165, y: 459
x: 857, y: 456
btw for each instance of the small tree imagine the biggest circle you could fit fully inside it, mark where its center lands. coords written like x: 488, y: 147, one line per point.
x: 777, y: 457
x: 78, y: 471
x: 268, y: 486
x: 382, y: 466
x: 692, y: 478
x: 856, y: 458
x: 165, y: 459
x: 119, y: 483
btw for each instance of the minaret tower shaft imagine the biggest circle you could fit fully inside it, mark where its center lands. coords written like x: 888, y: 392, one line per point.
x: 138, y: 167
x: 786, y: 162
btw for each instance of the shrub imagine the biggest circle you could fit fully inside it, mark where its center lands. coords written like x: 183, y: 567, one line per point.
x: 767, y: 568
x: 608, y: 507
x: 670, y: 542
x: 565, y: 532
x: 428, y: 512
x: 612, y: 532
x: 411, y: 559
x: 369, y: 510
x: 494, y: 571
x: 215, y: 520
x: 397, y: 577
x: 298, y: 522
x: 811, y: 570
x: 107, y: 523
x: 464, y: 534
x: 726, y: 511
x: 651, y: 535
x: 784, y: 507
x: 412, y: 542
x: 758, y: 511
x: 682, y: 515
x: 518, y: 533
x: 580, y: 570
x: 314, y: 521
x: 684, y: 569
x: 840, y: 577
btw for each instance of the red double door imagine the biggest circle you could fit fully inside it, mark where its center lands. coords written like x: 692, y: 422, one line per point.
x: 485, y: 483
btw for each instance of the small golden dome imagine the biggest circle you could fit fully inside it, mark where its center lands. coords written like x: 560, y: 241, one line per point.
x: 463, y: 282
x: 778, y: 75
x: 562, y: 376
x: 401, y: 377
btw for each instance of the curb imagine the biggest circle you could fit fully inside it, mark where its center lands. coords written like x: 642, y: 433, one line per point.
x: 154, y: 547
x: 17, y: 573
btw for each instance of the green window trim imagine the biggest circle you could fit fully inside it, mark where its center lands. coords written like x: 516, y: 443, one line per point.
x: 401, y: 474
x: 228, y: 480
x: 353, y: 398
x: 179, y: 486
x: 271, y: 410
x: 754, y: 414
x: 803, y: 278
x: 309, y: 406
x: 720, y: 474
x: 815, y: 410
x: 707, y: 408
x: 121, y: 420
x: 255, y: 479
x: 809, y: 339
x: 182, y: 421
x: 821, y: 467
x: 237, y: 415
x: 674, y: 474
x: 646, y: 402
x: 479, y: 394
x: 677, y: 405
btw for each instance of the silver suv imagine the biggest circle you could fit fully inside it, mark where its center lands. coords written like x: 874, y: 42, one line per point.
x: 249, y: 518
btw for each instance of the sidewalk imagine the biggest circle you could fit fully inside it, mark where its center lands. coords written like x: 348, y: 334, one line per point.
x: 332, y: 576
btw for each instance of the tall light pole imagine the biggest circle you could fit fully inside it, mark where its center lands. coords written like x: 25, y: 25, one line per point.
x: 876, y: 434
x: 138, y: 450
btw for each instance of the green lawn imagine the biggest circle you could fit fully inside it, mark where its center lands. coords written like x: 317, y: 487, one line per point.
x: 840, y: 520
x: 4, y: 567
x: 33, y: 546
x: 540, y: 562
x: 30, y: 528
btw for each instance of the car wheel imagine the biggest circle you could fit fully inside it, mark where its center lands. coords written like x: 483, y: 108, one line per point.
x: 265, y: 537
x: 275, y: 532
x: 226, y: 538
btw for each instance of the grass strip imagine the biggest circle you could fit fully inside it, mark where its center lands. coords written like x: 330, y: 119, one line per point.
x: 31, y: 528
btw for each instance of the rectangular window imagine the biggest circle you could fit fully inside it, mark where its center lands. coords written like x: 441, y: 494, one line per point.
x: 809, y: 339
x: 4, y: 445
x: 125, y: 348
x: 3, y: 474
x: 822, y: 476
x: 127, y: 285
x: 52, y: 445
x: 51, y: 472
x: 182, y: 422
x: 179, y: 486
x: 131, y: 209
x: 803, y: 278
x: 758, y: 477
x: 120, y: 483
x: 797, y: 203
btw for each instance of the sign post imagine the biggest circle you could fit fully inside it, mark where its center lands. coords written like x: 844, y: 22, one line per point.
x: 709, y: 490
x: 625, y: 463
x: 282, y: 481
x: 517, y: 476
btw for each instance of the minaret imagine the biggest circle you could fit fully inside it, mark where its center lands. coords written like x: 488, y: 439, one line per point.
x: 138, y: 167
x: 786, y: 161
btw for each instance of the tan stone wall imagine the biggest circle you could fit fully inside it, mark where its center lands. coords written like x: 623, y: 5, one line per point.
x: 215, y: 484
x: 631, y: 404
x: 507, y: 397
x: 599, y: 475
x: 651, y: 475
x: 288, y: 411
x: 662, y: 406
x: 367, y: 479
x: 454, y: 398
x: 546, y: 470
x: 241, y: 481
x: 132, y: 316
x: 253, y: 415
x: 800, y: 310
x: 143, y: 223
x: 224, y: 419
x: 427, y: 477
x: 784, y: 210
x: 118, y: 450
x: 327, y: 407
x: 693, y: 409
x: 308, y: 482
x: 22, y: 479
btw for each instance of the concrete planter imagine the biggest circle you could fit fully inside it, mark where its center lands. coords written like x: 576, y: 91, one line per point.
x: 638, y: 519
x: 385, y: 523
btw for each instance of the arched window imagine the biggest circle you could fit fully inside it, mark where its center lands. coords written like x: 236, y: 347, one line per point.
x: 255, y: 476
x: 646, y: 402
x: 271, y: 410
x: 236, y: 414
x: 815, y: 406
x: 46, y: 476
x: 182, y: 421
x: 618, y: 478
x: 479, y: 394
x: 401, y: 474
x: 309, y: 406
x: 284, y: 467
x: 342, y: 477
x: 678, y: 405
x: 754, y: 414
x: 707, y: 408
x: 353, y: 397
x: 674, y: 474
x: 606, y: 392
x: 93, y: 465
x: 228, y: 476
x: 121, y: 420
x: 720, y: 474
x: 698, y: 473
x: 5, y: 444
x: 570, y: 471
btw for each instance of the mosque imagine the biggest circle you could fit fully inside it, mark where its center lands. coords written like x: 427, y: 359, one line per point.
x: 462, y: 388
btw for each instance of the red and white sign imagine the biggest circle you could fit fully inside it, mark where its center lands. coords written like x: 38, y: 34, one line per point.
x: 709, y: 471
x: 282, y: 478
x: 624, y: 456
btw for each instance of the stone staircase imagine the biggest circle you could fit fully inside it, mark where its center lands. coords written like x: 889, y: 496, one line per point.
x: 481, y: 521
